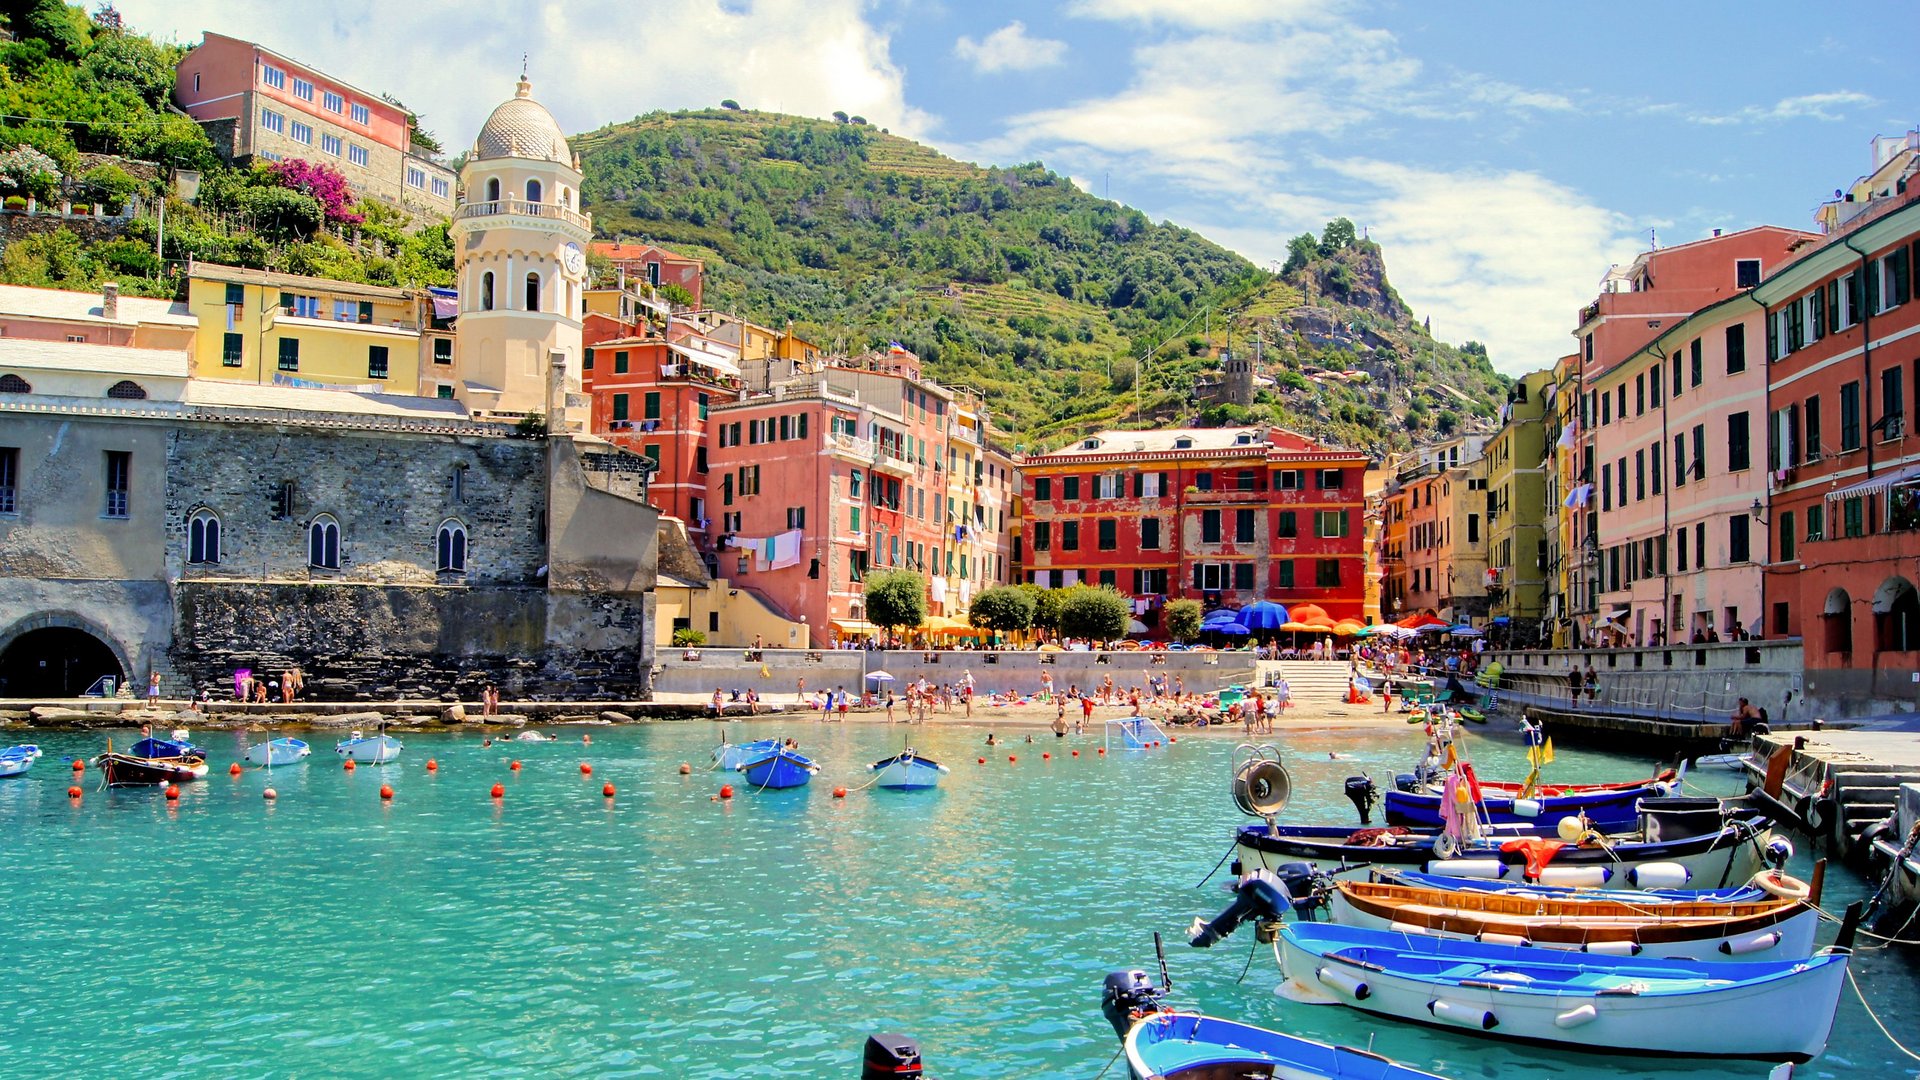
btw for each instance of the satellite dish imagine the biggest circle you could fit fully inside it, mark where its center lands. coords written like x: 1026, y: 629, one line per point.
x: 1262, y: 788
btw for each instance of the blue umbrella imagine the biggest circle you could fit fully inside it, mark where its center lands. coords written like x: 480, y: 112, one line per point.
x: 1220, y: 615
x: 1262, y: 615
x: 1232, y: 628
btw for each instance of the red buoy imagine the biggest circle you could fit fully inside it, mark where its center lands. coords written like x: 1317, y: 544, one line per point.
x: 1046, y: 757
x: 233, y: 769
x: 74, y: 792
x: 726, y: 791
x: 432, y: 765
x: 1011, y: 758
x: 1076, y: 753
x: 607, y: 789
x: 1173, y: 738
x: 349, y: 766
x: 173, y: 792
x: 839, y: 793
x: 1103, y: 751
x: 499, y: 791
x: 685, y: 768
x: 983, y: 761
x: 269, y: 794
x: 586, y: 769
x: 515, y: 766
x: 79, y: 766
x: 386, y: 791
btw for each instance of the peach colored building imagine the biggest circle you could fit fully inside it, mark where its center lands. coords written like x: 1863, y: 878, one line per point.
x: 96, y: 318
x: 655, y: 266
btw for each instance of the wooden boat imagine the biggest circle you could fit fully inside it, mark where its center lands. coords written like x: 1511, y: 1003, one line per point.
x: 1770, y: 929
x: 137, y: 769
x: 16, y: 760
x: 177, y: 747
x: 1607, y: 807
x: 907, y: 771
x: 728, y: 757
x: 1776, y: 1010
x: 1676, y: 845
x: 1734, y: 895
x: 369, y: 750
x: 1162, y: 1044
x: 782, y: 768
x: 278, y: 752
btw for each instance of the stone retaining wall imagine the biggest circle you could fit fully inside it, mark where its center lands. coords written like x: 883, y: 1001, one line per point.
x: 778, y: 671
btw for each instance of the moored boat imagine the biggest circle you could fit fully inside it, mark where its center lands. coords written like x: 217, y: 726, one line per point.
x: 1770, y: 1010
x: 1607, y: 807
x: 16, y: 760
x: 1770, y: 929
x: 908, y: 770
x: 137, y: 770
x: 1732, y: 895
x: 369, y: 749
x: 278, y: 752
x: 781, y: 768
x: 728, y: 757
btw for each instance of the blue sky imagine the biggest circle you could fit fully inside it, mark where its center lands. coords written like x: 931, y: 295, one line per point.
x: 1502, y: 153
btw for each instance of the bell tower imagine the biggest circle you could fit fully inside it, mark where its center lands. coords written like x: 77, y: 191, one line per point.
x: 520, y: 244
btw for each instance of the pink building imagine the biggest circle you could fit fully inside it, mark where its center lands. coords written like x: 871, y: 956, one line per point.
x: 256, y: 103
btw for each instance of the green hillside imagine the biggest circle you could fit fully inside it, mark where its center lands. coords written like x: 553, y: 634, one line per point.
x: 1014, y: 282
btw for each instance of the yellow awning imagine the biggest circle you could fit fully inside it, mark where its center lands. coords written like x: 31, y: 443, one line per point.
x: 853, y: 626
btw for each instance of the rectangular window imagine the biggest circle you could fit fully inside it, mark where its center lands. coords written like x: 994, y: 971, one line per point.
x: 1738, y: 448
x: 273, y: 121
x: 1107, y: 577
x: 1811, y: 443
x: 357, y: 155
x: 1149, y: 582
x: 1606, y: 409
x: 232, y: 350
x: 273, y: 76
x: 119, y: 481
x: 1699, y: 451
x: 1817, y: 522
x: 9, y: 479
x: 1700, y: 544
x: 1043, y: 536
x: 1639, y: 475
x: 750, y: 480
x: 1606, y: 487
x: 443, y: 350
x: 1042, y: 488
x: 1653, y: 387
x: 359, y: 114
x: 1473, y: 528
x: 416, y: 178
x: 442, y: 189
x: 1069, y: 536
x: 301, y: 133
x: 1288, y: 527
x: 1330, y: 523
x: 1850, y: 417
x: 1109, y: 534
x: 620, y: 362
x: 1332, y: 479
x: 1150, y: 485
x: 1736, y: 348
x: 1680, y: 460
x: 796, y: 517
x: 443, y: 391
x: 652, y: 450
x: 652, y: 406
x: 1243, y: 527
x: 1070, y: 488
x: 619, y: 406
x: 1680, y: 550
x: 333, y: 102
x: 1243, y: 575
x: 1287, y: 480
x: 1640, y: 394
x: 1746, y: 273
x: 1326, y: 573
x: 1893, y: 404
x: 699, y: 460
x: 1695, y: 362
x: 1150, y: 534
x: 853, y: 519
x: 1654, y: 463
x: 1285, y: 567
x: 1209, y: 526
x: 1676, y: 375
x: 1737, y: 538
x: 376, y: 361
x: 302, y: 89
x: 289, y: 354
x: 1108, y: 485
x: 1787, y: 536
x: 330, y: 144
x: 1854, y: 520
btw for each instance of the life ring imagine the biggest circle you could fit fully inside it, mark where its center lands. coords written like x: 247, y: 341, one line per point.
x: 1445, y: 846
x: 1783, y: 885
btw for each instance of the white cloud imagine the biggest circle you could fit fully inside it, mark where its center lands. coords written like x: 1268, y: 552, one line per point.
x: 591, y: 61
x: 1009, y: 49
x: 1829, y: 106
x: 1205, y: 14
x: 1487, y: 91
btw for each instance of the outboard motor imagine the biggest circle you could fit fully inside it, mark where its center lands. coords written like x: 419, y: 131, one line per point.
x: 1305, y: 886
x: 1264, y: 897
x: 1362, y: 793
x: 1406, y: 781
x: 1126, y: 996
x: 896, y: 1057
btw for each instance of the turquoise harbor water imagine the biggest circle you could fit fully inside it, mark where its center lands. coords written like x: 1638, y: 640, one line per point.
x: 665, y: 934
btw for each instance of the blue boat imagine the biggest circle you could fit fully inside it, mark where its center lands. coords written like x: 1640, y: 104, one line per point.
x: 1608, y: 808
x: 1740, y: 894
x: 166, y: 748
x: 783, y: 768
x: 907, y: 771
x: 16, y: 760
x: 730, y: 756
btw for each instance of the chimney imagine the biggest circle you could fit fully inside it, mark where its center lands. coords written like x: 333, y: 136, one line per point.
x: 1716, y: 232
x: 110, y: 301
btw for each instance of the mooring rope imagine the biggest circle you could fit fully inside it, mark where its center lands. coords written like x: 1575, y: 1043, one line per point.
x: 1871, y: 1015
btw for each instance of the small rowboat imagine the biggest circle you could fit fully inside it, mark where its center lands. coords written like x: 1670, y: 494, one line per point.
x: 137, y: 770
x: 277, y: 752
x: 1770, y: 929
x: 368, y: 750
x: 907, y: 771
x: 783, y: 768
x: 1774, y: 1010
x: 1607, y: 807
x: 16, y: 760
x: 728, y: 757
x: 1738, y: 894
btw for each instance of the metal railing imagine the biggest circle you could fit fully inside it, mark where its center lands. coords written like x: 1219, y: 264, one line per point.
x: 523, y: 208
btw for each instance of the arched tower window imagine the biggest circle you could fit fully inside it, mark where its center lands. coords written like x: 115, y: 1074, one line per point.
x: 566, y: 198
x: 127, y: 390
x: 14, y: 384
x: 486, y: 291
x: 533, y: 191
x: 203, y: 537
x: 323, y: 543
x: 533, y: 292
x: 451, y: 547
x: 493, y: 189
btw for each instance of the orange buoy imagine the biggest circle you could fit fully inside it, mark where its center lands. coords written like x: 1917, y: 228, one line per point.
x: 74, y: 792
x: 726, y: 791
x: 685, y: 768
x: 233, y: 769
x: 173, y: 792
x: 1011, y: 758
x: 839, y: 793
x: 1173, y: 738
x: 1046, y: 757
x: 386, y: 791
x: 586, y: 769
x: 515, y: 766
x: 1076, y: 753
x: 79, y: 766
x: 983, y: 761
x: 269, y: 794
x: 1103, y: 751
x: 499, y: 791
x: 349, y: 766
x: 607, y: 789
x: 432, y: 765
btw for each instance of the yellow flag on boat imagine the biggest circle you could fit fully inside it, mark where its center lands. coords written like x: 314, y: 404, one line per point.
x: 1452, y: 758
x: 1546, y: 752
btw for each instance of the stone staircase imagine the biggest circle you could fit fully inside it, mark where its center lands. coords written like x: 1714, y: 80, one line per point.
x: 1317, y: 681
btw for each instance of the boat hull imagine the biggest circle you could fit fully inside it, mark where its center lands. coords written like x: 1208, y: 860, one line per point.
x: 1186, y: 1046
x: 1765, y: 1011
x: 125, y: 770
x: 781, y: 769
x: 1735, y: 895
x: 278, y: 752
x: 728, y: 757
x: 1608, y: 810
x: 908, y: 772
x: 376, y: 750
x: 16, y: 760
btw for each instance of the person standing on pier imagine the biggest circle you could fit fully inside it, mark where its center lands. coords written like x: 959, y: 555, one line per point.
x: 1593, y: 683
x: 1573, y: 685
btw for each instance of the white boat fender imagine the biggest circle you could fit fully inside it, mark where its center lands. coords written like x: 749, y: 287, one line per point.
x: 1576, y: 876
x: 1515, y: 940
x: 1573, y: 1018
x: 1454, y: 1012
x: 1527, y: 808
x: 1407, y: 928
x: 1347, y: 983
x: 1751, y: 943
x: 1472, y: 868
x: 1659, y: 875
x: 1612, y: 948
x: 1781, y: 884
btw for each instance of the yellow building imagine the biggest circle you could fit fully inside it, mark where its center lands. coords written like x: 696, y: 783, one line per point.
x: 1562, y: 476
x: 262, y: 327
x: 1516, y: 501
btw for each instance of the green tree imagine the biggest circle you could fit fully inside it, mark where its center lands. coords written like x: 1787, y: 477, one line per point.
x: 63, y: 27
x: 1182, y: 620
x: 687, y: 637
x: 1301, y: 250
x: 1003, y: 607
x: 730, y: 104
x: 1095, y: 613
x: 1046, y: 606
x: 896, y: 598
x: 1339, y: 236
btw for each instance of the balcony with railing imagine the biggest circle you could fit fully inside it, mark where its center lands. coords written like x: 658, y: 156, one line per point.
x: 892, y: 459
x: 852, y: 448
x: 523, y: 208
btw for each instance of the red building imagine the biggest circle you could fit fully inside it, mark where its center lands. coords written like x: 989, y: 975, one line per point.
x: 1223, y: 515
x: 1843, y: 340
x: 655, y: 266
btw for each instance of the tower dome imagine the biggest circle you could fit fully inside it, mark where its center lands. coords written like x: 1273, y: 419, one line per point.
x: 522, y: 128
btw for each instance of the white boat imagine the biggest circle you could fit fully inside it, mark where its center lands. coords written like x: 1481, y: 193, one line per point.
x: 908, y: 771
x: 277, y: 752
x: 16, y: 760
x: 368, y: 750
x: 728, y: 757
x: 1772, y: 1010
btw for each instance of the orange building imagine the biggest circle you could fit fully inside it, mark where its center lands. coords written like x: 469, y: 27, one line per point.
x: 655, y: 266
